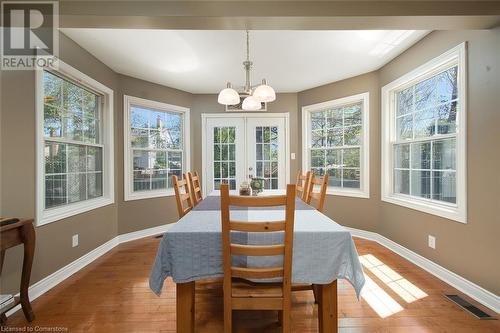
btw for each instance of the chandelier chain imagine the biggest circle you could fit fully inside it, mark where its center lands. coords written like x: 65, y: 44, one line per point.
x: 248, y: 46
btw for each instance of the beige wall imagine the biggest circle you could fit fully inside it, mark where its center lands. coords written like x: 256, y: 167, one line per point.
x: 53, y: 246
x: 470, y: 250
x: 354, y: 212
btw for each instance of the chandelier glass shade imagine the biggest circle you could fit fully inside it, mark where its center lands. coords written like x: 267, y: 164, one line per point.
x: 228, y: 96
x: 255, y: 94
x: 250, y: 103
x: 264, y: 93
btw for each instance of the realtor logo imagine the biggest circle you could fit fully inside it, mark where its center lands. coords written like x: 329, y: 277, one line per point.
x: 30, y: 36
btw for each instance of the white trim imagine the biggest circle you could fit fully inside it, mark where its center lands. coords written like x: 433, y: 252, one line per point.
x: 469, y: 288
x: 131, y: 236
x: 41, y: 287
x: 458, y: 212
x: 44, y: 216
x: 205, y: 116
x: 364, y: 191
x: 129, y: 194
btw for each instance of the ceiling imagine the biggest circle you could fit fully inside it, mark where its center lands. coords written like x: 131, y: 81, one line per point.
x: 202, y: 61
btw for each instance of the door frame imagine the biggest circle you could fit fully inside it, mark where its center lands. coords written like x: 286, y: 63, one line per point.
x: 245, y: 116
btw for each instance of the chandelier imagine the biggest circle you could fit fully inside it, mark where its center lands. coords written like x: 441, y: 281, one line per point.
x: 256, y: 94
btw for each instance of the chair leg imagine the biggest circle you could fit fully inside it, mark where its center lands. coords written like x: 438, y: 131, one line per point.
x: 287, y: 322
x: 228, y: 314
x: 315, y: 293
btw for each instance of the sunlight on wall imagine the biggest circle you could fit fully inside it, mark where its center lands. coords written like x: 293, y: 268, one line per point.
x: 390, y: 41
x: 401, y: 286
x: 380, y: 301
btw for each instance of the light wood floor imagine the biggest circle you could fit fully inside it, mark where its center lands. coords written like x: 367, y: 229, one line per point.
x: 112, y: 295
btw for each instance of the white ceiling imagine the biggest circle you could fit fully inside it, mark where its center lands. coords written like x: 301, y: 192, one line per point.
x: 202, y: 61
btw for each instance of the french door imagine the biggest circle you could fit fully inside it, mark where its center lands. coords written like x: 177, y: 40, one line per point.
x: 240, y: 147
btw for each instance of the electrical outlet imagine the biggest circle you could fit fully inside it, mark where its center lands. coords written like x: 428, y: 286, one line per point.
x: 292, y: 156
x: 432, y: 242
x: 74, y: 240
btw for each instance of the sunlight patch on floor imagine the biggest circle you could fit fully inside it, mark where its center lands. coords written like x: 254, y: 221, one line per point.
x: 380, y: 301
x: 401, y: 286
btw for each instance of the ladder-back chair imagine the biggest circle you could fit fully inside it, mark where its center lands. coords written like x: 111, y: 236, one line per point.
x: 194, y: 183
x: 302, y: 184
x: 257, y: 296
x: 183, y: 197
x: 320, y: 196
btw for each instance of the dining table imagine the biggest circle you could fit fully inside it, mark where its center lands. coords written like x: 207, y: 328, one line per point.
x: 191, y: 250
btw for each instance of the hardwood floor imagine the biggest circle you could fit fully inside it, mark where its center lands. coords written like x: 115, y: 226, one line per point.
x: 112, y: 295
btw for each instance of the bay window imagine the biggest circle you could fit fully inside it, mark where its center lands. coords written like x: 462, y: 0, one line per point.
x: 75, y: 143
x: 423, y: 148
x: 156, y: 147
x: 335, y: 142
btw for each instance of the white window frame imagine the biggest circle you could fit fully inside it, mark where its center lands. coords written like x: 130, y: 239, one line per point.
x: 127, y: 154
x: 44, y: 216
x: 458, y: 211
x: 364, y: 190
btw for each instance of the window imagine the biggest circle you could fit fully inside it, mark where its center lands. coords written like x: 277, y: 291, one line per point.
x: 335, y: 142
x: 423, y: 149
x: 157, y: 142
x: 75, y: 144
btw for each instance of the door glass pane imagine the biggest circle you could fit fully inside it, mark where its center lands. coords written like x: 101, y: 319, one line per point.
x: 266, y: 152
x: 224, y: 167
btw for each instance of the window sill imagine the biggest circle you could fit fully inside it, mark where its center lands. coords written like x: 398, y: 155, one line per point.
x: 148, y: 195
x: 348, y: 193
x: 429, y: 207
x: 59, y: 213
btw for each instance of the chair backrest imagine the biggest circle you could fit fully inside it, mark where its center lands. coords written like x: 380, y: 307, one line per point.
x: 194, y: 183
x: 303, y: 183
x: 284, y: 249
x: 182, y: 196
x: 320, y: 196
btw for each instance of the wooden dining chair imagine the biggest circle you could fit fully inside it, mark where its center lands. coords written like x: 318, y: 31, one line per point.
x: 302, y: 184
x: 182, y: 196
x: 319, y: 197
x: 194, y: 183
x: 257, y: 296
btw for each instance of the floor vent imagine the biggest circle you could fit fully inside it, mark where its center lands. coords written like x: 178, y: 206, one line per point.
x: 469, y: 307
x: 159, y: 236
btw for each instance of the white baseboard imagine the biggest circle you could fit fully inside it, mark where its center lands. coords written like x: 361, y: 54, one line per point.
x: 144, y: 233
x: 469, y: 288
x: 41, y: 287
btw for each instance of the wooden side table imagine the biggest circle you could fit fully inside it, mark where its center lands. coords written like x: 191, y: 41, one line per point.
x: 14, y: 232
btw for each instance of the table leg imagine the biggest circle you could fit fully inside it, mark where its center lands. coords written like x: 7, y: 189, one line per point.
x: 28, y: 237
x: 185, y: 307
x: 327, y: 308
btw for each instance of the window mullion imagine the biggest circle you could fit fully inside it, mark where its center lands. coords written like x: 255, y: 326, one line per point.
x: 410, y: 170
x: 67, y: 176
x: 431, y: 194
